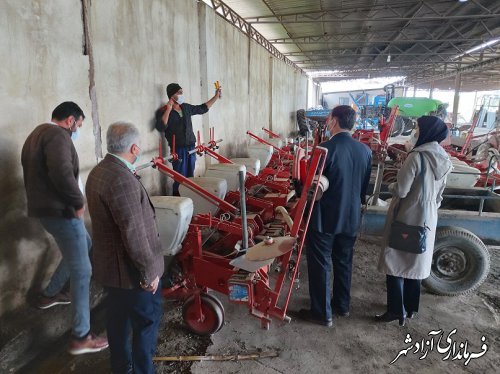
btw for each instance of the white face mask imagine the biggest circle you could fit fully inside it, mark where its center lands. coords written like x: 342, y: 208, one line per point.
x: 75, y: 134
x: 329, y: 128
x: 137, y: 157
x: 180, y: 99
x: 413, y: 139
x: 75, y: 131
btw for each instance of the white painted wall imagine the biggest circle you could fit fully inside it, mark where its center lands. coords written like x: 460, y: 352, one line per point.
x: 139, y: 47
x: 42, y: 65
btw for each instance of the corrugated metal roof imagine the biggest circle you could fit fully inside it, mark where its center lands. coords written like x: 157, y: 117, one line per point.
x: 420, y: 39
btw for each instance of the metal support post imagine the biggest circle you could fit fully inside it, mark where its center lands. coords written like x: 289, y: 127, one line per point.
x: 456, y: 98
x: 243, y: 209
x: 378, y: 182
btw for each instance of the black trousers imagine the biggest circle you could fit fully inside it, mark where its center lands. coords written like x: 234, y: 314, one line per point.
x: 403, y: 295
x: 324, y: 252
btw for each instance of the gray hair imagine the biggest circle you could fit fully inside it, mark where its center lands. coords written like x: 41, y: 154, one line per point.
x: 120, y: 137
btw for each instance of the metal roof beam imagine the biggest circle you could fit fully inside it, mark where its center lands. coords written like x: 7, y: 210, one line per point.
x: 228, y: 14
x: 340, y: 13
x: 419, y: 65
x: 353, y: 53
x: 337, y: 19
x: 342, y: 40
x: 422, y: 76
x: 398, y: 34
x: 364, y: 66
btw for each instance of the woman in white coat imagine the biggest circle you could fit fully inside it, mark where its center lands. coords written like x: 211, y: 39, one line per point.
x: 404, y: 270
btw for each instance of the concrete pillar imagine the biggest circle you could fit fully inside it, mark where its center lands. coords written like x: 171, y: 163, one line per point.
x: 86, y: 4
x: 270, y: 127
x: 205, y: 32
x: 458, y: 83
x: 414, y: 90
x: 431, y: 90
x: 307, y: 93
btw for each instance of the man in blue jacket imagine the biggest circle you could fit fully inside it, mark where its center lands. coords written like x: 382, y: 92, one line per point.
x: 336, y: 219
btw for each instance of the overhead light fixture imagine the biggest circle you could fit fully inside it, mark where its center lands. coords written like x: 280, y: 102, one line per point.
x: 462, y: 1
x: 479, y: 47
x: 388, y: 58
x: 482, y: 46
x: 318, y: 74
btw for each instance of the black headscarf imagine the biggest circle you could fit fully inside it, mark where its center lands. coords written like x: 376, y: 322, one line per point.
x: 431, y: 129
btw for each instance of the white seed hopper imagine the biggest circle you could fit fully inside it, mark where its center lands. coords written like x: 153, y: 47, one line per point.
x: 216, y: 186
x: 252, y: 164
x: 263, y: 152
x: 229, y: 172
x: 173, y: 215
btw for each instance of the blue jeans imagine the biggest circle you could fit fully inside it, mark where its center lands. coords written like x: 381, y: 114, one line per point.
x: 137, y: 311
x: 185, y: 165
x: 323, y: 251
x: 403, y: 295
x: 74, y: 243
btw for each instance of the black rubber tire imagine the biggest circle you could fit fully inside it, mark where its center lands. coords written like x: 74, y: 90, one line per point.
x: 408, y: 127
x: 460, y: 263
x: 218, y: 302
x: 398, y: 127
x: 442, y: 112
x: 209, y: 326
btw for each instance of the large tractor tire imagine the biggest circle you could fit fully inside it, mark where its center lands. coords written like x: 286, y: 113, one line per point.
x: 398, y: 127
x: 460, y: 263
x: 409, y: 126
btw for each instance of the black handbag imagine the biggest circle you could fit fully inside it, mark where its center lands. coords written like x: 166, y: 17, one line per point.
x: 408, y: 238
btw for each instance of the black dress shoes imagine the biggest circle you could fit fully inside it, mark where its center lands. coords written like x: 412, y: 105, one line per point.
x: 340, y: 313
x: 389, y: 317
x: 306, y: 315
x: 411, y: 315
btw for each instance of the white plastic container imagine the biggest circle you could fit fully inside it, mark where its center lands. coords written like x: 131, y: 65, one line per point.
x: 458, y: 180
x: 216, y: 186
x: 262, y: 152
x: 277, y: 142
x: 229, y: 172
x: 252, y: 164
x: 173, y: 215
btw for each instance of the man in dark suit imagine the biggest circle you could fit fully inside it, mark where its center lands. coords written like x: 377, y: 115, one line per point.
x: 336, y: 219
x: 126, y: 256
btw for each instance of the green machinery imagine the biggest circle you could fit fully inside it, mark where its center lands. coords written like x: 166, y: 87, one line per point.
x: 410, y: 108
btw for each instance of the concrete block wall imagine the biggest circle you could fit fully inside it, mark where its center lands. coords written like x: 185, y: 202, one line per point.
x: 138, y: 47
x: 42, y: 65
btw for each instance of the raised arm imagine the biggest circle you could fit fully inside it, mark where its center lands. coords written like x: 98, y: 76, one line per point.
x: 211, y: 102
x: 166, y: 113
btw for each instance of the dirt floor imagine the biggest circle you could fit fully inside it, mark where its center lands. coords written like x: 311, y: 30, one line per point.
x: 354, y: 345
